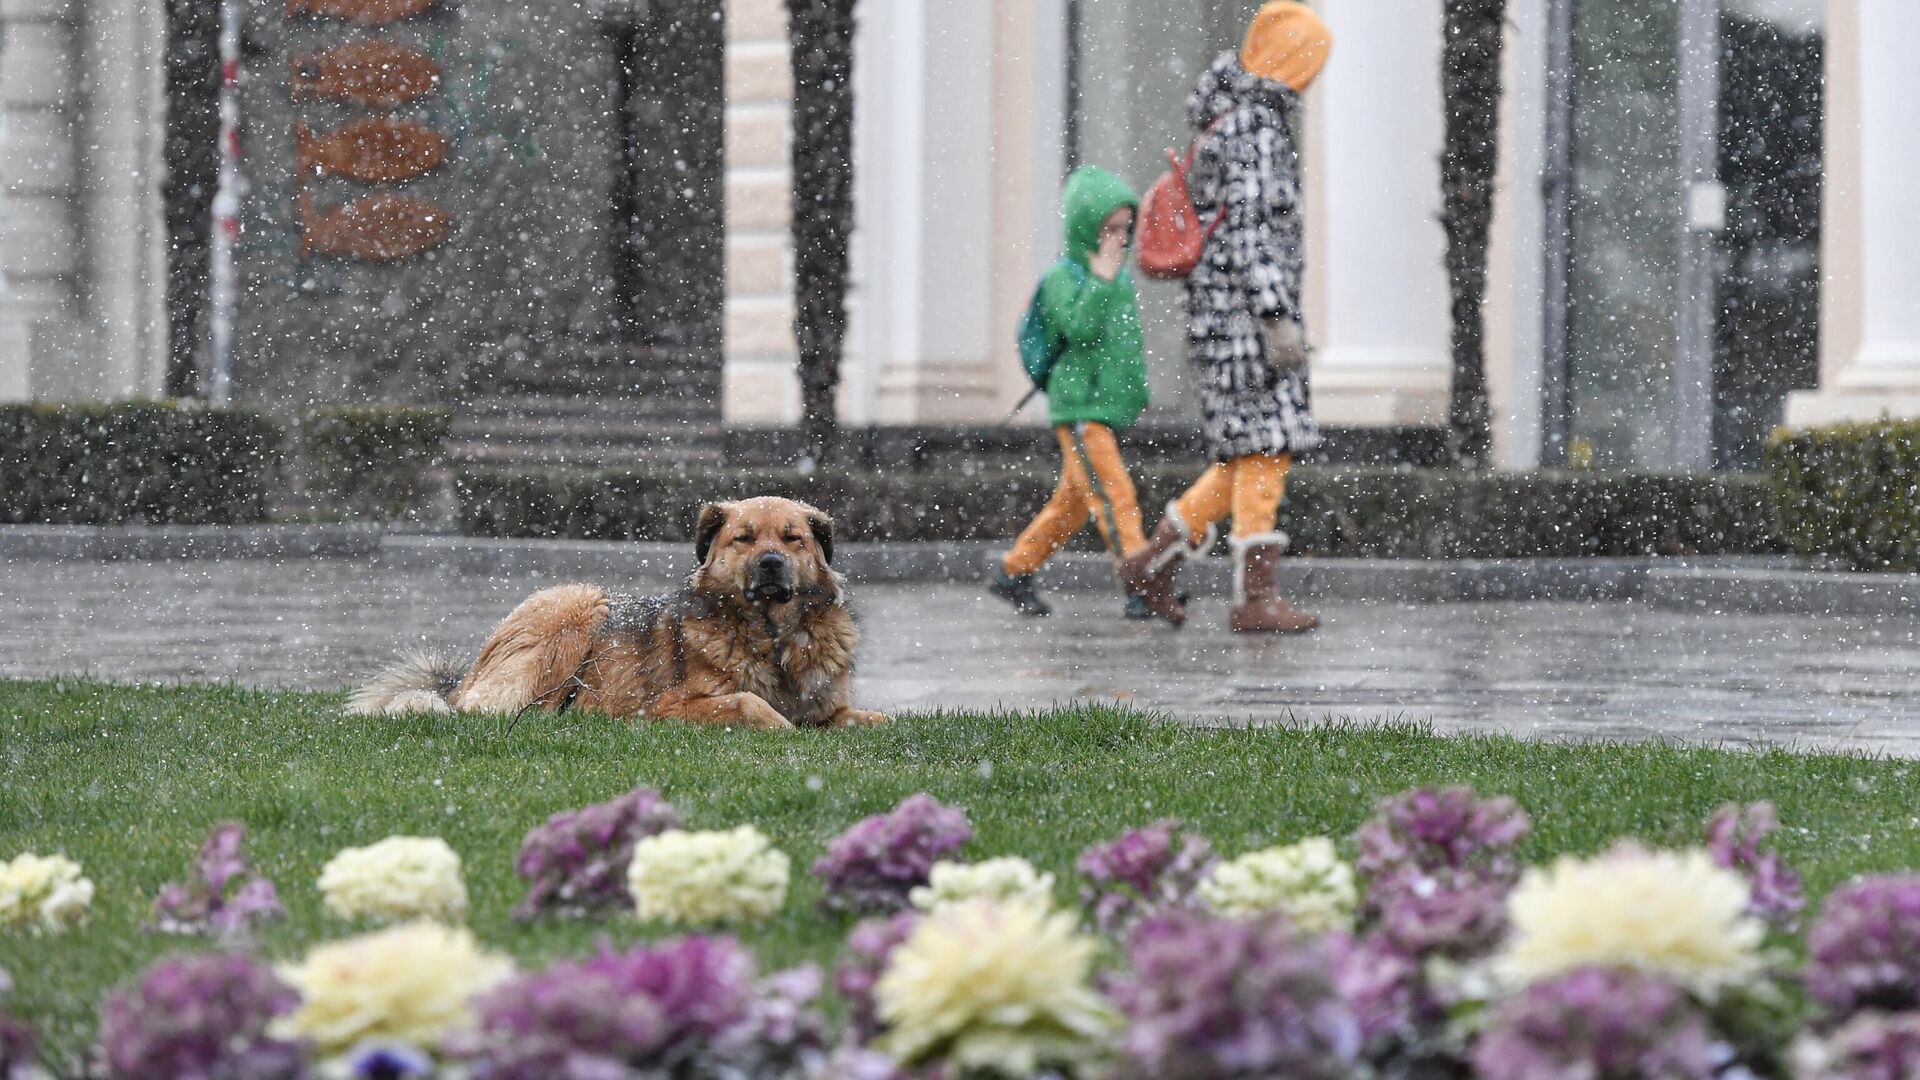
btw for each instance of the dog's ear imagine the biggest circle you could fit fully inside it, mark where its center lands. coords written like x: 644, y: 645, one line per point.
x: 713, y: 518
x: 822, y: 527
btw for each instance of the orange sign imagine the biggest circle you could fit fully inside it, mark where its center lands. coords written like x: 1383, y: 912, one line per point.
x: 378, y: 228
x: 376, y: 150
x: 364, y: 12
x: 380, y: 74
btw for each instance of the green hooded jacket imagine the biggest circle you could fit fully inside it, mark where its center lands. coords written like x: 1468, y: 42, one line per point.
x: 1102, y: 375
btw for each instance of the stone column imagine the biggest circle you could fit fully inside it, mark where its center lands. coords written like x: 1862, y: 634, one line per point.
x: 1870, y: 220
x: 39, y: 106
x: 1029, y: 101
x: 1516, y: 263
x: 81, y: 244
x: 1377, y: 291
x: 762, y: 380
x: 927, y: 254
x: 123, y: 229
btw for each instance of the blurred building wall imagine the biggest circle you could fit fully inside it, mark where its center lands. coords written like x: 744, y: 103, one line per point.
x: 81, y: 240
x: 1870, y: 239
x: 963, y: 137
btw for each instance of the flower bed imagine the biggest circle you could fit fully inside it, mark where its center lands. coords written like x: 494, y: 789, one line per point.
x: 128, y: 782
x: 1437, y: 951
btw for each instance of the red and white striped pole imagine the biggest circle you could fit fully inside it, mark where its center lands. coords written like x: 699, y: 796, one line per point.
x: 226, y: 207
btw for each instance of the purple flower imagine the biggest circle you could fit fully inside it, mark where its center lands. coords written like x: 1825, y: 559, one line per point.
x: 869, y: 946
x: 682, y: 1008
x: 223, y: 857
x: 1450, y: 832
x: 1597, y: 1022
x: 1864, y: 950
x: 1439, y: 866
x: 783, y: 1029
x: 1425, y: 916
x: 17, y: 1043
x: 1733, y: 839
x: 576, y: 861
x: 873, y: 865
x: 203, y: 1017
x: 1142, y: 872
x: 1871, y: 1046
x: 203, y: 906
x: 1385, y: 988
x: 1212, y: 997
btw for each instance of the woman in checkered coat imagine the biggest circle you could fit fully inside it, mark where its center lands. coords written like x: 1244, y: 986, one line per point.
x: 1245, y: 336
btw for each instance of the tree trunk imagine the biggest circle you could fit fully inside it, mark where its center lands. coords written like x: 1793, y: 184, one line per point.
x: 192, y: 154
x: 820, y: 34
x: 1470, y: 82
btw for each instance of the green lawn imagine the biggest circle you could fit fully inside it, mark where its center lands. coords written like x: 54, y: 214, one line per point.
x: 129, y: 779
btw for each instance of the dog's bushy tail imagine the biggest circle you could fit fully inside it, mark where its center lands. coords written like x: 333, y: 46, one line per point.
x: 419, y: 683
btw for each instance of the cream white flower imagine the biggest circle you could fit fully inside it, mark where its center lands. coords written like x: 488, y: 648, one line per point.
x: 43, y: 892
x: 1006, y: 878
x: 1671, y: 913
x: 410, y: 983
x: 993, y: 986
x: 706, y: 877
x: 1309, y: 882
x: 401, y: 877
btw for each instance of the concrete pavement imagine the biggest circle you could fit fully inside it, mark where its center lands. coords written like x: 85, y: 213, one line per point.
x: 1536, y: 668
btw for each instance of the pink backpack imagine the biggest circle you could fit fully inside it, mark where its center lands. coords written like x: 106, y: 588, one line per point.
x: 1171, y: 237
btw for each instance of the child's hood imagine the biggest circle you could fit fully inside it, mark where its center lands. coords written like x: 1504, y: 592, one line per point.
x: 1092, y: 193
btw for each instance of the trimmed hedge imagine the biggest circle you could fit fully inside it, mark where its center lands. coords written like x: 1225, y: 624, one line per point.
x: 1851, y: 492
x: 1376, y: 512
x: 151, y: 462
x: 373, y: 459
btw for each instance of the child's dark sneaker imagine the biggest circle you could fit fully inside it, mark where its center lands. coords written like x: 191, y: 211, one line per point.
x: 1137, y: 608
x: 1018, y: 590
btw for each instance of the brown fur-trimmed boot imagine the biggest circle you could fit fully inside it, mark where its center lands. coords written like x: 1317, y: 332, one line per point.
x: 1257, y: 606
x: 1149, y: 573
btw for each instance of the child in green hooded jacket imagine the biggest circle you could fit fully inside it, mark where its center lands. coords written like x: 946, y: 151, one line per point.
x: 1096, y: 388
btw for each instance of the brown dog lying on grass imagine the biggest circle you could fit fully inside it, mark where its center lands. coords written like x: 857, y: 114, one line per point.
x: 758, y: 637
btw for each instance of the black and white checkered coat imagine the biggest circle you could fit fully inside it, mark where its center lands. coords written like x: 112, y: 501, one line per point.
x: 1251, y: 269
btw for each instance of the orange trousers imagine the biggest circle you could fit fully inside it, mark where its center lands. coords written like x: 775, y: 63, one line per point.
x: 1093, y: 483
x: 1249, y: 488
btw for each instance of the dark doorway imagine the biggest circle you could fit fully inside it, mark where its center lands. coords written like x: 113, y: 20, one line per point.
x: 666, y: 235
x: 1768, y: 258
x: 1633, y: 396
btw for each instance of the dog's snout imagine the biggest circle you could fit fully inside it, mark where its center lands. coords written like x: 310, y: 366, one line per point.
x: 771, y: 564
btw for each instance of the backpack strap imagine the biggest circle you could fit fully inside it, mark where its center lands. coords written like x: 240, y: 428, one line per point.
x: 1186, y: 168
x: 1193, y: 148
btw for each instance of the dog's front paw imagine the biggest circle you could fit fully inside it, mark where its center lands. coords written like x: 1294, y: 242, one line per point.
x: 760, y: 716
x: 860, y: 718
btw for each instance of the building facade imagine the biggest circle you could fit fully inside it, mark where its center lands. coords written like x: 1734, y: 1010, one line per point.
x: 82, y: 263
x: 1708, y: 217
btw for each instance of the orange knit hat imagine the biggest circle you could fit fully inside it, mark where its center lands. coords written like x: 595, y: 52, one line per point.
x: 1287, y: 43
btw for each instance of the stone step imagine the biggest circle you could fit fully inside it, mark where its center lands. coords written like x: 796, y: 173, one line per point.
x: 677, y: 373
x: 679, y: 385
x: 554, y: 430
x: 580, y: 456
x: 654, y: 410
x: 612, y: 430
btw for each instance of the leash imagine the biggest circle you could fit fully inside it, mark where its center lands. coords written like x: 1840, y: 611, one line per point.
x: 1031, y: 394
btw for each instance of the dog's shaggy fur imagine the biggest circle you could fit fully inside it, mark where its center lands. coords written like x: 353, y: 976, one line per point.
x: 758, y: 637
